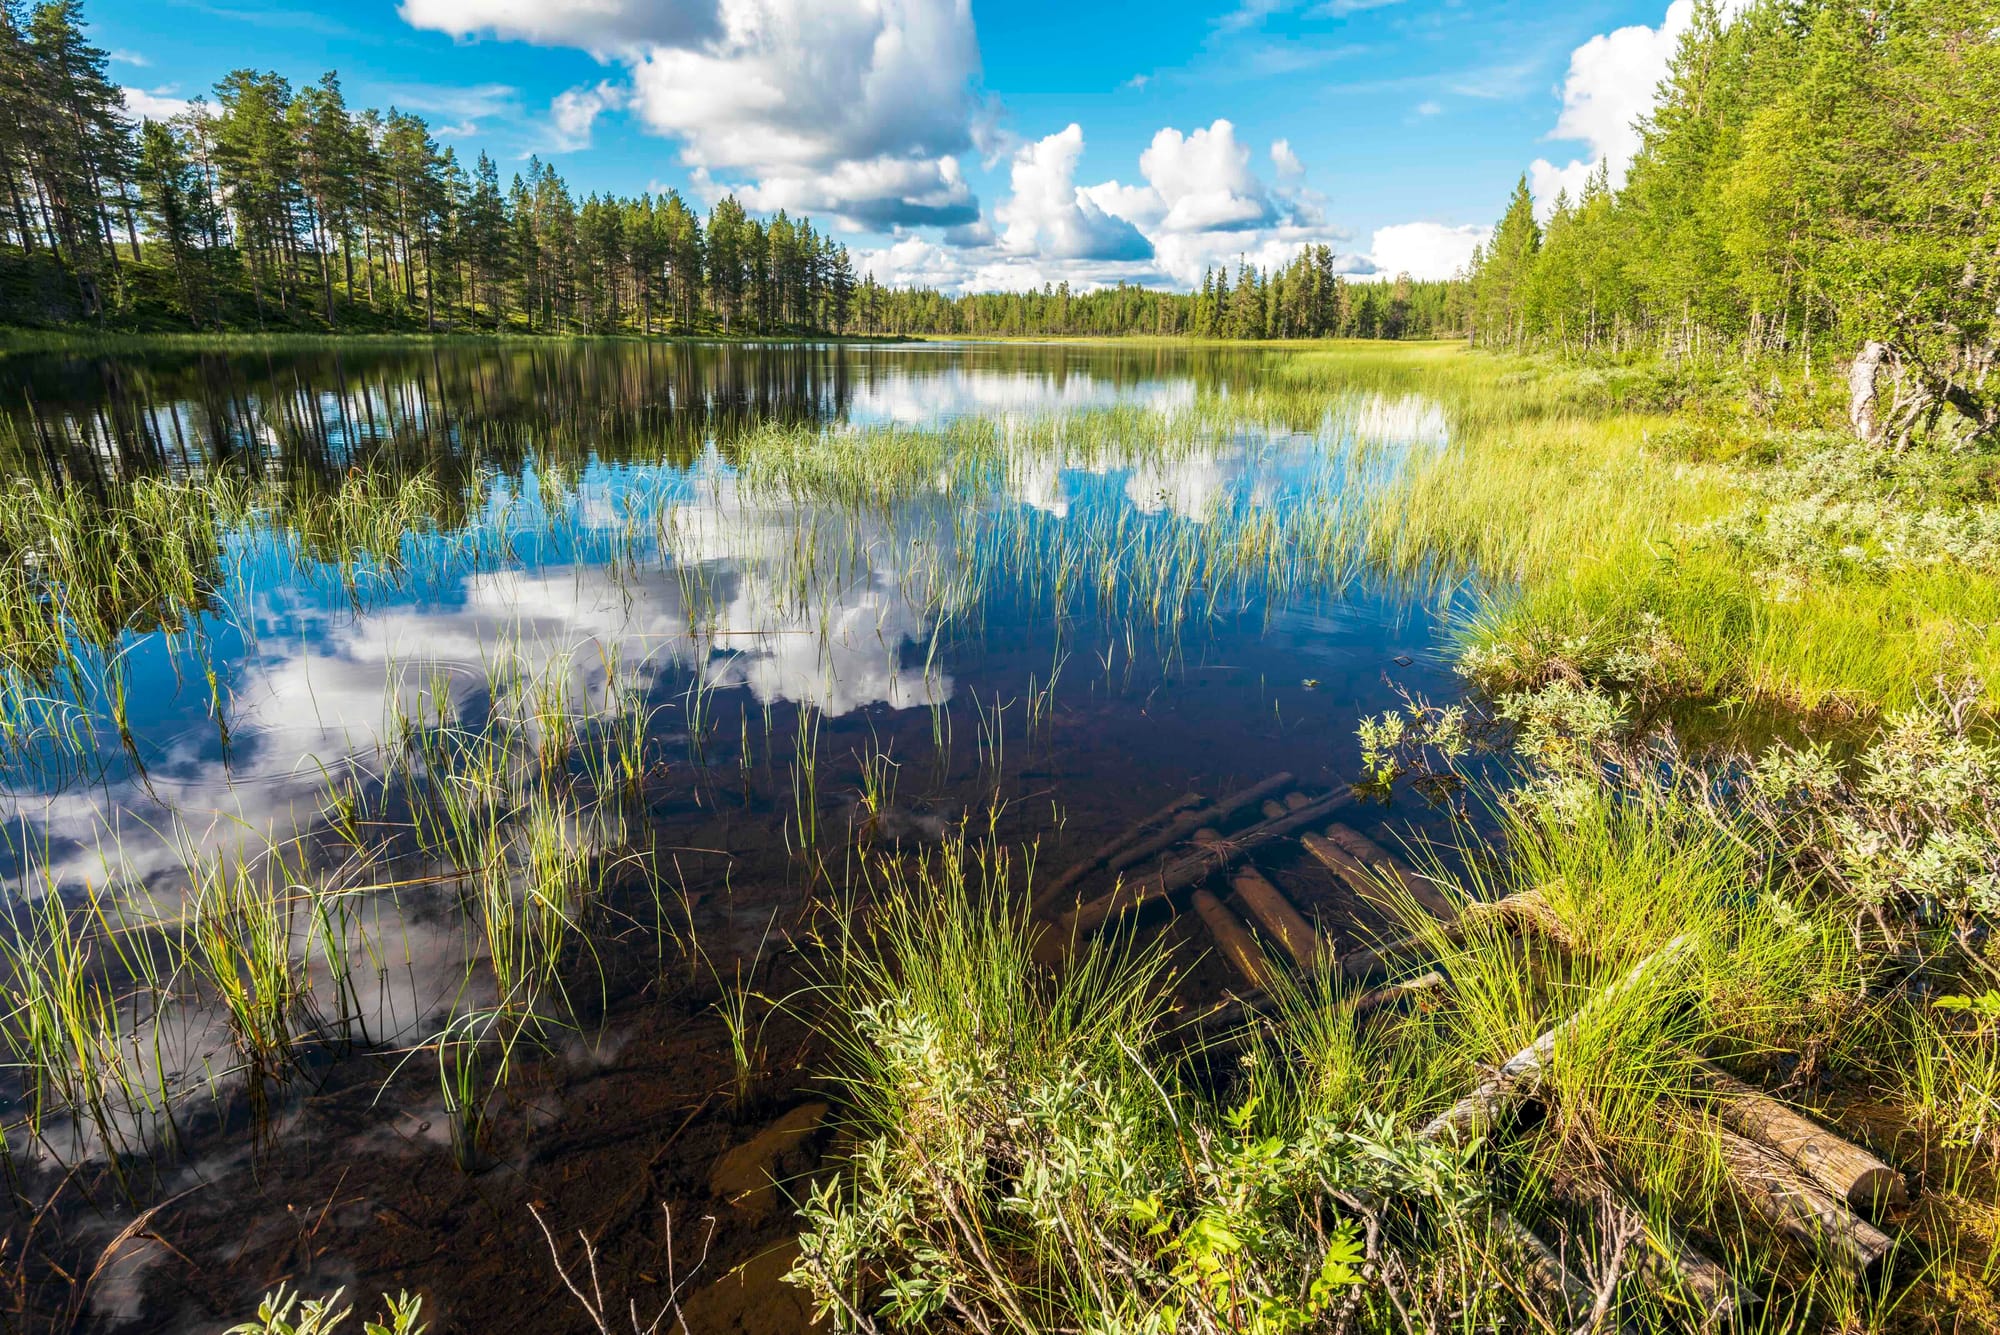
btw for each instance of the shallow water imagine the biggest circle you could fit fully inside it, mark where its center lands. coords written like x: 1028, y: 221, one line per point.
x: 642, y: 618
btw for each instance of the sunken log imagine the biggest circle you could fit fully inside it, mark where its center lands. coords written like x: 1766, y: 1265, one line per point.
x: 1067, y: 881
x: 1197, y: 866
x: 1495, y: 1098
x: 1774, y: 1189
x: 1109, y: 850
x: 1273, y: 808
x: 1188, y: 824
x: 1235, y: 940
x: 1846, y: 1170
x: 1387, y: 866
x: 1275, y: 915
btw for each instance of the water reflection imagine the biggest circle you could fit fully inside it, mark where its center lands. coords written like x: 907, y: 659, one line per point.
x: 326, y: 411
x: 618, y: 584
x: 514, y: 686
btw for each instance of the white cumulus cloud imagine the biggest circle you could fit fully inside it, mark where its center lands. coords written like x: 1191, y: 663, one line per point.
x: 1201, y: 206
x: 157, y: 105
x: 1205, y: 181
x: 1048, y: 216
x: 575, y: 111
x: 1425, y: 250
x: 603, y: 27
x: 860, y: 107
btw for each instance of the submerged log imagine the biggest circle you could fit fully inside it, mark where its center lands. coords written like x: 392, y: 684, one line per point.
x: 1187, y: 825
x: 1774, y: 1189
x: 1846, y: 1170
x: 1280, y: 921
x: 1234, y: 939
x: 1197, y: 866
x: 1495, y: 1098
x: 1068, y: 880
x: 1393, y: 869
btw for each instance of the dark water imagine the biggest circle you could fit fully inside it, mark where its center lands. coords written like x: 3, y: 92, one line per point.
x: 801, y: 669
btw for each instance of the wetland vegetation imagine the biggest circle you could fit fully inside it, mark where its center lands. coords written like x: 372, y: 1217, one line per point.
x: 617, y: 829
x: 440, y: 780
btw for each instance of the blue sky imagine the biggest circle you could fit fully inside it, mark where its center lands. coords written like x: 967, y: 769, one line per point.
x: 988, y: 145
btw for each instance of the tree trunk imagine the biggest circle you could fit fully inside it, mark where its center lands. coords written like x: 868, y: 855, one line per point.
x: 1861, y: 396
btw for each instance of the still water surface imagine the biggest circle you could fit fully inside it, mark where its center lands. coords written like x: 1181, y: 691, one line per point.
x: 762, y: 612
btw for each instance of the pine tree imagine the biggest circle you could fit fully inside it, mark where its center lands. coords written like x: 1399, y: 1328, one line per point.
x: 1501, y: 281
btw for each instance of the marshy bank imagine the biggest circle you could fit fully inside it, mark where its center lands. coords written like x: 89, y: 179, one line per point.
x: 602, y: 786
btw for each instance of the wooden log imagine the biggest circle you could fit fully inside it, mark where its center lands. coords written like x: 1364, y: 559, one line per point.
x: 1393, y: 869
x: 1496, y: 1097
x: 1235, y: 940
x: 1543, y: 1271
x: 1685, y: 1273
x: 1774, y: 1189
x: 1342, y: 863
x: 1187, y: 825
x: 1846, y: 1170
x: 1280, y: 921
x: 1068, y: 880
x: 1273, y: 808
x: 1295, y: 800
x: 1177, y: 876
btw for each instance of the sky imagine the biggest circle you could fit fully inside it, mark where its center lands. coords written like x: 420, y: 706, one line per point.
x: 990, y: 146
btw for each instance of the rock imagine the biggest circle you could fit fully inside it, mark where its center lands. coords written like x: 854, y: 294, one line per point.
x: 747, y: 1175
x: 753, y: 1299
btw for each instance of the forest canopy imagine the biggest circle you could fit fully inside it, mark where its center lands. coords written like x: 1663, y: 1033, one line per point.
x: 1818, y: 176
x: 276, y: 206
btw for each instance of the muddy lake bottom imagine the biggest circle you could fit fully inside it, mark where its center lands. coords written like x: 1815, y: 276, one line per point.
x: 795, y: 729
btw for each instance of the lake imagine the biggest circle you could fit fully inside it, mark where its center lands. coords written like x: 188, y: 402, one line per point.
x: 429, y: 770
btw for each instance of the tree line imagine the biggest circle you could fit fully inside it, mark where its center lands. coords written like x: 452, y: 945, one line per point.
x: 1818, y: 176
x: 274, y: 206
x: 1308, y: 298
